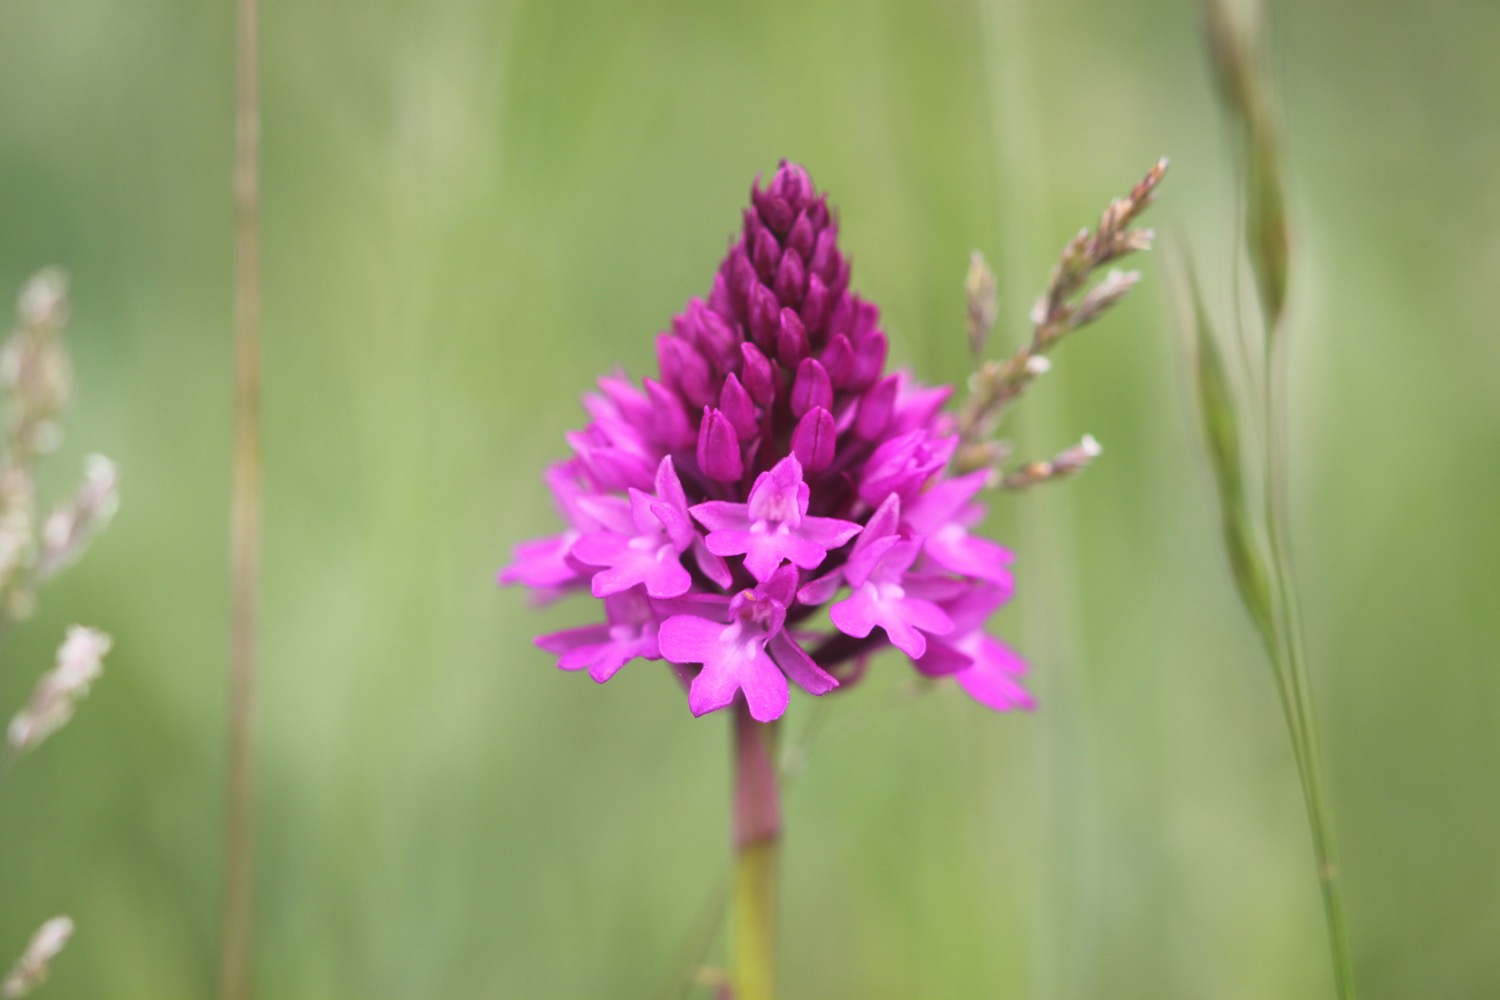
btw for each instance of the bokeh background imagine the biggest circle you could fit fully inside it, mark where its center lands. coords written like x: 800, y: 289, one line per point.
x: 473, y: 208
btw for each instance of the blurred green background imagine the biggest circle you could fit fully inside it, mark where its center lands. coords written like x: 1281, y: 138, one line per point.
x: 471, y: 209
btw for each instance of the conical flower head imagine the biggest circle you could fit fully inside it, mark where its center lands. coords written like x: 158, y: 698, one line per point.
x: 770, y: 464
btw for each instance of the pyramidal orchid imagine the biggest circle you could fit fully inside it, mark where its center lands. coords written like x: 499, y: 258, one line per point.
x: 772, y: 469
x: 774, y: 507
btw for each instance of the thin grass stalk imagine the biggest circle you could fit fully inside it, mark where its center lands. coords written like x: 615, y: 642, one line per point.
x: 757, y: 837
x: 1268, y: 245
x: 1254, y: 538
x: 237, y: 921
x: 1238, y: 59
x: 1302, y: 717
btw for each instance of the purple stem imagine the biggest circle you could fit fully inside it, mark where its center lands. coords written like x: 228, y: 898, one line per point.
x: 757, y: 801
x: 757, y: 832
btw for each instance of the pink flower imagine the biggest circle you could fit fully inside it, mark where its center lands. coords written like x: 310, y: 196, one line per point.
x: 604, y: 649
x: 773, y: 527
x: 884, y: 593
x: 711, y: 510
x: 749, y: 652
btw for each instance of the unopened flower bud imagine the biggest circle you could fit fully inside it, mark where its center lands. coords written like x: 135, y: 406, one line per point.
x: 866, y: 319
x: 738, y: 409
x: 758, y: 378
x: 719, y: 448
x: 875, y: 408
x: 765, y: 317
x: 791, y: 280
x: 766, y: 254
x: 742, y: 279
x: 668, y: 414
x: 718, y: 342
x: 800, y: 239
x: 792, y: 182
x: 811, y: 388
x: 791, y: 339
x: 814, y: 439
x: 838, y: 360
x: 719, y: 298
x: 824, y: 260
x: 869, y: 360
x: 688, y: 370
x: 815, y: 303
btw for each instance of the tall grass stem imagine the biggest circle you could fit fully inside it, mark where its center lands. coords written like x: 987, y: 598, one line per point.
x: 1301, y: 716
x: 1237, y: 45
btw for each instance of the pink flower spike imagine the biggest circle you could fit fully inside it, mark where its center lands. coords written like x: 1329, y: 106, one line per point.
x: 773, y: 526
x: 772, y: 437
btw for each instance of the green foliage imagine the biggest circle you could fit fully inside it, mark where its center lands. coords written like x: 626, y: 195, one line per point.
x: 1221, y: 434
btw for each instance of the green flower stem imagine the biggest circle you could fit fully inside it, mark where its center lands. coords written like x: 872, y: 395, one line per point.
x: 757, y: 835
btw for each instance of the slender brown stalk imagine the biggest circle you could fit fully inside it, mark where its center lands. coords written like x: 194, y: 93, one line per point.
x: 757, y: 836
x: 238, y: 915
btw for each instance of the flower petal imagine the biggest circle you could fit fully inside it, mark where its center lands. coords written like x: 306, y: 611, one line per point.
x: 797, y: 665
x: 992, y: 680
x: 719, y: 515
x: 942, y: 659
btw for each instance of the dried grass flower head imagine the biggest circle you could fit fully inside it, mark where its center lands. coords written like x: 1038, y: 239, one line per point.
x: 80, y: 662
x: 30, y: 970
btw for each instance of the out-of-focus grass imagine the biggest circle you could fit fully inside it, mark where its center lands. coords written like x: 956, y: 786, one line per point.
x: 470, y: 210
